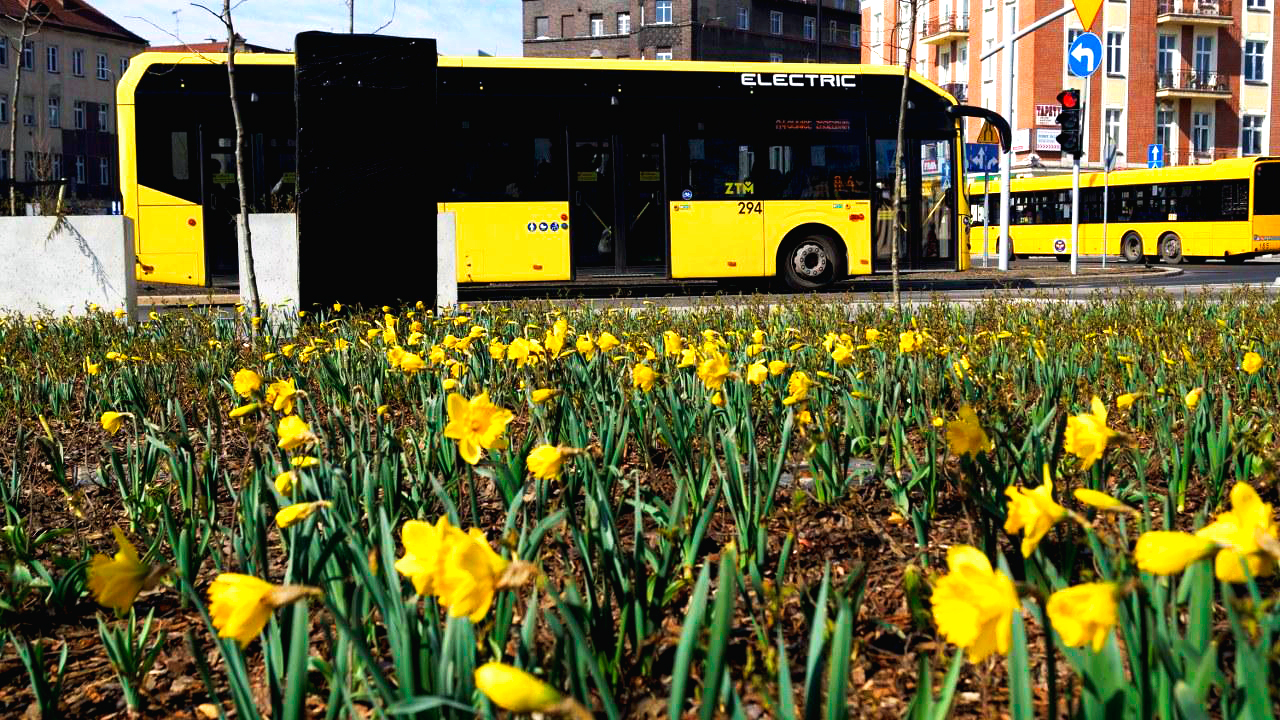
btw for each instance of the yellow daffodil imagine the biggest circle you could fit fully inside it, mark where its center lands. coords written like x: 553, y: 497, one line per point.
x: 1033, y: 512
x: 797, y: 388
x: 1251, y: 363
x: 841, y: 355
x: 116, y: 582
x: 112, y: 421
x: 965, y: 435
x: 688, y: 358
x: 516, y: 690
x: 285, y: 482
x: 280, y: 395
x: 713, y: 371
x: 643, y: 376
x: 585, y: 346
x: 294, y: 433
x: 908, y: 341
x: 1125, y: 401
x: 1100, y: 501
x: 476, y: 424
x: 470, y: 574
x: 411, y: 363
x: 246, y: 382
x: 756, y: 373
x: 777, y: 367
x: 607, y: 342
x: 92, y: 368
x: 1084, y: 614
x: 424, y: 546
x: 519, y: 351
x: 973, y: 604
x: 293, y: 514
x: 394, y: 354
x: 303, y: 461
x: 449, y: 384
x: 1087, y: 434
x: 672, y: 343
x: 938, y: 422
x: 545, y: 461
x: 243, y: 410
x: 1165, y: 552
x: 240, y: 605
x: 542, y: 395
x: 1238, y: 531
x: 871, y: 335
x: 717, y: 399
x: 1193, y: 398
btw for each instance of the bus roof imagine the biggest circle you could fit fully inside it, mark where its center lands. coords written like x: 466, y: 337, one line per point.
x: 139, y: 63
x: 1225, y: 169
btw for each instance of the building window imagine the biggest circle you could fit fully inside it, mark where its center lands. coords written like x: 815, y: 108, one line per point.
x: 29, y: 165
x: 1164, y: 128
x: 4, y: 51
x: 597, y: 25
x: 77, y: 114
x: 1257, y: 4
x: 1204, y: 57
x: 55, y: 111
x: 1115, y: 53
x: 4, y: 164
x: 775, y: 57
x: 124, y: 66
x: 51, y: 58
x: 57, y: 166
x: 662, y: 12
x: 663, y: 53
x: 1167, y: 47
x: 833, y: 31
x: 4, y: 109
x: 810, y: 28
x: 77, y: 63
x: 102, y: 66
x: 1254, y: 53
x: 102, y: 118
x: 541, y: 26
x: 29, y: 111
x: 744, y: 19
x: 854, y: 35
x: 29, y: 55
x: 775, y: 22
x: 944, y: 64
x: 877, y: 30
x: 624, y: 23
x: 1251, y: 135
x: 1113, y: 126
x: 104, y: 171
x: 80, y: 176
x: 1072, y: 34
x: 1200, y: 132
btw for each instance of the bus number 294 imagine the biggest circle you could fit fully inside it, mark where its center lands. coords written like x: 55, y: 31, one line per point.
x: 748, y: 208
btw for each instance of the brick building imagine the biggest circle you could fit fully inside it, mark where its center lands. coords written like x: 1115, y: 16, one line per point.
x: 1192, y: 75
x: 65, y: 119
x: 739, y: 30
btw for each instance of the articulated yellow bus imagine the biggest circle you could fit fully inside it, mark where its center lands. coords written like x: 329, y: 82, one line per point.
x: 563, y: 171
x: 1191, y: 213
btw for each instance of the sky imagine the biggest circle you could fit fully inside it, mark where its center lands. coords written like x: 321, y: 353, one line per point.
x: 461, y: 27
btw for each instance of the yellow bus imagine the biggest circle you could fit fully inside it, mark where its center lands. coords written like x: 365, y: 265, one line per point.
x: 567, y: 171
x: 1190, y: 213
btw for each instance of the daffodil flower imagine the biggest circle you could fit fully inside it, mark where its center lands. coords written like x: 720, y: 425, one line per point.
x: 240, y: 605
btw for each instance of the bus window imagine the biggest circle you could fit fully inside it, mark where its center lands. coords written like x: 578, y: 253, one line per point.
x: 504, y: 163
x: 720, y: 168
x: 1266, y: 188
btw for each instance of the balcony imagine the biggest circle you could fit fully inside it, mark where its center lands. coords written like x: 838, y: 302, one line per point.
x: 1193, y: 84
x: 941, y: 30
x: 957, y: 90
x: 1193, y: 12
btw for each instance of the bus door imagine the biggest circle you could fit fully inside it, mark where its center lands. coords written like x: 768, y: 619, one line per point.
x: 221, y: 200
x: 927, y: 237
x: 618, y: 221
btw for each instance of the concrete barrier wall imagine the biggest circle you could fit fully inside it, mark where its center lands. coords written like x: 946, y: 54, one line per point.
x: 52, y: 266
x: 275, y: 258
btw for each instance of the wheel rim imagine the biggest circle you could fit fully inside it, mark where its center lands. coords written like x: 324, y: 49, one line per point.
x: 1171, y: 247
x: 1131, y: 248
x: 810, y: 260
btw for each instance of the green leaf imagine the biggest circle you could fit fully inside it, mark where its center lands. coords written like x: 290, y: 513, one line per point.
x: 680, y: 672
x: 721, y: 624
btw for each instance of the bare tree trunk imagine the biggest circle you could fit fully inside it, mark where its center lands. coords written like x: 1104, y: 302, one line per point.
x: 250, y: 272
x: 23, y: 27
x: 899, y: 227
x: 351, y: 17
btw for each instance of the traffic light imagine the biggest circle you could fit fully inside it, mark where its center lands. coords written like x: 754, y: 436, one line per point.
x: 1069, y: 119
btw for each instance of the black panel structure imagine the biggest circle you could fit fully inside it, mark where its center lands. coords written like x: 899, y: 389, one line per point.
x: 366, y: 185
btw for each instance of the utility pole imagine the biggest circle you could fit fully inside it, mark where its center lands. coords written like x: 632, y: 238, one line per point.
x: 1006, y: 161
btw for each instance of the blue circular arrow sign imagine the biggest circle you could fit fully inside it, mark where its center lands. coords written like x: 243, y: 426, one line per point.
x: 1085, y: 55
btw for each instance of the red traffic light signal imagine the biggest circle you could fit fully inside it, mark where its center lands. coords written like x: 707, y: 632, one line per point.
x: 1069, y: 98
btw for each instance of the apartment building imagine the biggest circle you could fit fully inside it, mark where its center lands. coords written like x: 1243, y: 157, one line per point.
x: 65, y: 116
x: 1195, y: 76
x: 737, y: 30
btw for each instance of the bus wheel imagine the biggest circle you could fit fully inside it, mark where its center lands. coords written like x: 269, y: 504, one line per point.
x: 1131, y: 248
x: 811, y: 263
x: 1171, y: 249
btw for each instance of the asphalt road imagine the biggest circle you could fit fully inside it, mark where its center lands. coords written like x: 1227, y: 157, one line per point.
x: 1211, y: 273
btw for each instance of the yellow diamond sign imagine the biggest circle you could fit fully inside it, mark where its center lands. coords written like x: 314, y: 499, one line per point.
x: 1087, y: 10
x: 988, y: 134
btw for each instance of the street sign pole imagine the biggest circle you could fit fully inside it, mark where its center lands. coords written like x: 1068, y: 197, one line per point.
x: 986, y: 216
x: 1106, y: 190
x: 1075, y: 212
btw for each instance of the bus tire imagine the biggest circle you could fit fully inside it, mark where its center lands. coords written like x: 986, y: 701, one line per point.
x: 1170, y: 248
x: 811, y: 260
x: 1131, y: 248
